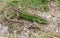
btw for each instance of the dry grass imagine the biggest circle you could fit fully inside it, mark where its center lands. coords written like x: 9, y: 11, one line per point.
x: 26, y: 29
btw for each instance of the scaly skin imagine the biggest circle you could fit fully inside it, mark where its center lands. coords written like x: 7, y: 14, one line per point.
x: 32, y: 18
x: 29, y: 17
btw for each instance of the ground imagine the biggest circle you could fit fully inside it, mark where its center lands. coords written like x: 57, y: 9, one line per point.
x: 14, y: 28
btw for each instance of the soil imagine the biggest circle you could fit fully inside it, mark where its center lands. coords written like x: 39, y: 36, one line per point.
x: 25, y: 29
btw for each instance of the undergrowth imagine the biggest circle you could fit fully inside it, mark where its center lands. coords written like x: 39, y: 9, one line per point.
x: 31, y: 3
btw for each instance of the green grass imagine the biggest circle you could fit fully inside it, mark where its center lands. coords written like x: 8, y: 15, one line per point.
x: 1, y: 0
x: 58, y: 1
x: 14, y: 3
x: 30, y: 3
